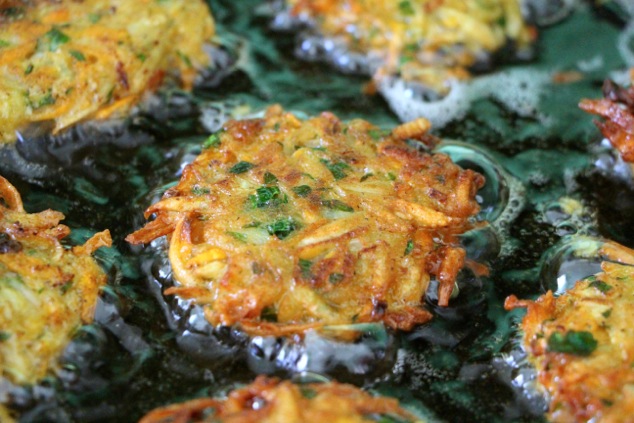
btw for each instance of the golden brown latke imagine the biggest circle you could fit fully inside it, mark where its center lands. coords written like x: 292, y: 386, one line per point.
x: 68, y: 61
x: 282, y: 225
x: 423, y: 40
x: 618, y: 109
x: 46, y: 291
x: 272, y: 400
x: 582, y: 343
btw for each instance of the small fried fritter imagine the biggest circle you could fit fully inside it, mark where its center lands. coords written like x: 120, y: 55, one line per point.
x: 68, y: 61
x: 282, y: 225
x: 426, y: 41
x: 582, y: 343
x: 46, y: 291
x: 618, y: 109
x: 272, y: 400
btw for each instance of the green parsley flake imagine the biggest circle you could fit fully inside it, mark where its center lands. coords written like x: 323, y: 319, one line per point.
x: 406, y: 8
x: 237, y: 235
x: 185, y: 58
x: 269, y: 178
x: 282, y: 228
x: 305, y: 266
x: 335, y: 278
x: 212, y: 141
x: 241, y: 167
x: 580, y: 343
x: 409, y: 248
x: 78, y: 55
x: 268, y: 314
x: 198, y: 191
x: 337, y: 205
x: 56, y: 38
x: 337, y: 169
x: 302, y: 190
x: 308, y: 393
x: 601, y: 286
x: 266, y: 196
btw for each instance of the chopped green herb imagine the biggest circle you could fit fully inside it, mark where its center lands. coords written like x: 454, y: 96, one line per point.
x: 377, y: 134
x: 409, y: 248
x: 406, y: 8
x: 237, y: 235
x: 276, y: 127
x: 307, y: 392
x: 269, y: 178
x: 254, y: 224
x: 94, y: 17
x: 78, y: 55
x: 366, y: 176
x: 185, y: 59
x: 200, y: 191
x: 580, y: 343
x: 337, y: 169
x: 268, y: 314
x: 282, y: 228
x: 256, y: 268
x: 337, y: 205
x: 267, y: 196
x: 28, y: 69
x: 302, y: 190
x: 66, y: 287
x: 319, y: 148
x: 241, y: 167
x: 56, y: 38
x: 305, y: 266
x: 45, y: 100
x: 212, y: 141
x: 4, y: 43
x: 308, y: 175
x: 141, y: 56
x: 335, y: 278
x: 391, y: 176
x: 601, y: 286
x: 607, y: 313
x: 4, y: 336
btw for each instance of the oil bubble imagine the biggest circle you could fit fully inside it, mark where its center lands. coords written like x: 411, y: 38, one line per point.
x: 570, y: 216
x: 519, y: 90
x: 502, y: 197
x: 570, y: 260
x: 547, y: 12
x: 366, y: 358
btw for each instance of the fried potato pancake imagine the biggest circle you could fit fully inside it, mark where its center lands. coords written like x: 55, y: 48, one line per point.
x: 618, y: 109
x: 272, y: 400
x: 427, y: 41
x: 46, y: 290
x: 582, y: 343
x: 283, y: 225
x: 67, y: 61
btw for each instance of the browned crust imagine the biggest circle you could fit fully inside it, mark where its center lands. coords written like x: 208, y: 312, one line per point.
x: 283, y: 401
